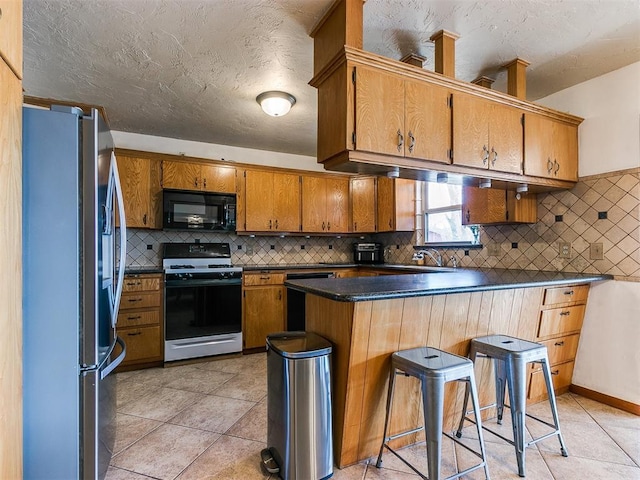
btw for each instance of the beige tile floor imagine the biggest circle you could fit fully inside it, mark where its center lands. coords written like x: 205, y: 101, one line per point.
x: 208, y: 421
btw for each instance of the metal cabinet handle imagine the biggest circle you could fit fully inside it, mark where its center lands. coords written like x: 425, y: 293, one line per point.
x: 412, y: 142
x: 137, y: 317
x: 557, y: 169
x: 495, y: 156
x: 133, y: 300
x: 555, y: 372
x: 568, y: 292
x: 549, y: 165
x: 323, y: 226
x: 195, y: 182
x: 134, y: 284
x: 355, y: 226
x: 269, y: 224
x: 328, y: 225
x: 276, y: 224
x: 265, y: 278
x: 204, y: 183
x: 144, y: 219
x: 485, y: 154
x: 468, y: 216
x: 559, y: 344
x: 134, y: 334
x: 400, y: 140
x: 390, y: 224
x: 279, y: 294
x: 564, y: 314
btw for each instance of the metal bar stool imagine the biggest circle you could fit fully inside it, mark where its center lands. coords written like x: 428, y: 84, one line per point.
x: 433, y: 368
x: 511, y: 356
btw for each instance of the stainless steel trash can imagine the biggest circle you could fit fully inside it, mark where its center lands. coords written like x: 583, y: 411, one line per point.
x: 299, y: 405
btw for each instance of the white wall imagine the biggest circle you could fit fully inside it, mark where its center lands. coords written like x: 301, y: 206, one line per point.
x: 149, y: 143
x: 608, y: 358
x: 610, y: 106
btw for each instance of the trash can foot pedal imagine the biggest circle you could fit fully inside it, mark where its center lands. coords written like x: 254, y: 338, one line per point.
x: 268, y: 461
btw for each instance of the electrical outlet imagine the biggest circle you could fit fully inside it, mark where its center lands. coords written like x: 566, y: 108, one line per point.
x: 596, y: 251
x: 564, y: 249
x: 494, y: 249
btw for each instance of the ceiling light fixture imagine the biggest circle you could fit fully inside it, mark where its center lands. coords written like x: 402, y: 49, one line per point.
x: 276, y: 104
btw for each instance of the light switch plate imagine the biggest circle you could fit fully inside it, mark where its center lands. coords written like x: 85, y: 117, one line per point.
x: 596, y: 251
x: 494, y: 249
x: 564, y: 249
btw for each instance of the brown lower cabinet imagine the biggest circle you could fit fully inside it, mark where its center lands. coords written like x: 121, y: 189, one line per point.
x: 140, y: 322
x: 263, y: 307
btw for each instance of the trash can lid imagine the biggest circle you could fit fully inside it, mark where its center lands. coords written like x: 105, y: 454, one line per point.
x: 298, y: 344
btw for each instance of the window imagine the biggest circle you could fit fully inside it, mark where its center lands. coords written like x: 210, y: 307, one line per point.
x: 442, y: 203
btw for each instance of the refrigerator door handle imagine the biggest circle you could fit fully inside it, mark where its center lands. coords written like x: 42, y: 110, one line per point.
x: 118, y: 360
x: 123, y: 240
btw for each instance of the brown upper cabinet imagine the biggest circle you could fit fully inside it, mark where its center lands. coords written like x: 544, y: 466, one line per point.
x: 142, y: 192
x: 271, y: 201
x: 381, y: 204
x: 363, y: 204
x: 198, y: 176
x: 486, y: 135
x: 550, y: 148
x: 325, y: 204
x: 394, y: 116
x: 395, y: 205
x: 491, y: 206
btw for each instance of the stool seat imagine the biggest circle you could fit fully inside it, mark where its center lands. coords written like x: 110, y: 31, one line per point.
x: 434, y: 368
x: 511, y: 356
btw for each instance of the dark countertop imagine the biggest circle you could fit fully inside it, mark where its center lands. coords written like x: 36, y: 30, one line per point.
x: 295, y: 266
x: 358, y: 289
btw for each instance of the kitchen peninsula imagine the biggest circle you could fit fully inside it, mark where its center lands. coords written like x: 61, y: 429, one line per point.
x: 368, y: 318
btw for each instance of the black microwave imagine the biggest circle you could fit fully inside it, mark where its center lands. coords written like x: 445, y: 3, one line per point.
x: 205, y: 211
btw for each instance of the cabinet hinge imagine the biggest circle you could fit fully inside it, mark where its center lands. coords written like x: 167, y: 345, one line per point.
x: 244, y: 174
x: 450, y: 154
x: 507, y: 215
x: 522, y: 120
x: 353, y: 76
x: 450, y: 100
x: 353, y: 139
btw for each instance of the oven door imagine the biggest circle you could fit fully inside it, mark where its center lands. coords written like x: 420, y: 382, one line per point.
x: 202, y: 316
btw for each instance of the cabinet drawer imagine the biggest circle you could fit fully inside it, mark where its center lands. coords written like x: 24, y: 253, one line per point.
x: 264, y: 278
x: 142, y: 343
x: 138, y: 284
x: 134, y: 319
x: 139, y: 300
x: 577, y: 293
x: 560, y: 375
x: 562, y: 349
x: 559, y: 321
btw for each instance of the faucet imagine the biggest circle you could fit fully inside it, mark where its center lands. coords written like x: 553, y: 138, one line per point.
x: 434, y: 254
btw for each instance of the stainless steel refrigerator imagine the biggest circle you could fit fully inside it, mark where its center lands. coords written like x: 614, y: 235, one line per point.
x: 72, y: 289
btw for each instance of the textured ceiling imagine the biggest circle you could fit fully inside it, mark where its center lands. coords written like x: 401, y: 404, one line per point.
x: 191, y: 69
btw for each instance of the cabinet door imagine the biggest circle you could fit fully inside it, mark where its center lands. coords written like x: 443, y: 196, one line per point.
x: 181, y: 175
x: 470, y: 131
x: 218, y: 179
x: 385, y: 204
x: 11, y: 34
x: 286, y: 202
x: 136, y: 187
x: 404, y: 215
x: 379, y: 112
x: 314, y: 204
x: 538, y: 146
x: 263, y: 314
x: 505, y: 138
x: 363, y: 204
x: 483, y: 205
x: 337, y: 204
x: 427, y: 122
x: 565, y: 149
x: 259, y: 201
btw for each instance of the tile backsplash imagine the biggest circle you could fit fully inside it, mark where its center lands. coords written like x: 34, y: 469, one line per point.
x: 572, y: 216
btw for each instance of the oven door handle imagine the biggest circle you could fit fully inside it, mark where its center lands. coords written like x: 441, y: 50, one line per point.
x: 201, y: 283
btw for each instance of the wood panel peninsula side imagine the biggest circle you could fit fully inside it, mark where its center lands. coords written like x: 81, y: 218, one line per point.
x: 369, y: 318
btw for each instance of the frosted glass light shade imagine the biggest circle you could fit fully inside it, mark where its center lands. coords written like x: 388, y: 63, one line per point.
x: 275, y: 103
